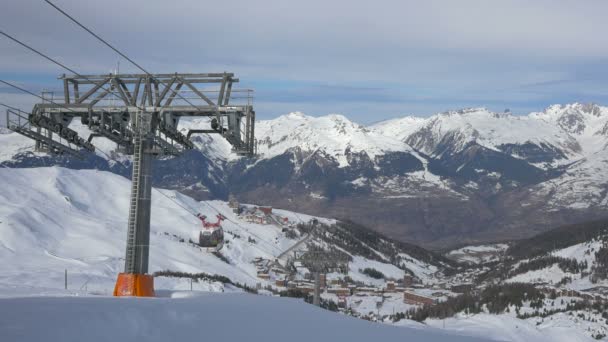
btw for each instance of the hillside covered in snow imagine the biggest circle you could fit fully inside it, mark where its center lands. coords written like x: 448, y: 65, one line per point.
x: 555, y: 282
x: 53, y: 219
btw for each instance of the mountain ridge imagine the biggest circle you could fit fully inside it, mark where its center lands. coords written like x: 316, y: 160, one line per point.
x: 456, y: 177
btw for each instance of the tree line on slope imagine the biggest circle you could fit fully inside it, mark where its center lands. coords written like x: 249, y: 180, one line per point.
x: 600, y: 268
x: 559, y: 238
x: 362, y: 241
x: 565, y: 264
x: 498, y: 299
x: 505, y: 270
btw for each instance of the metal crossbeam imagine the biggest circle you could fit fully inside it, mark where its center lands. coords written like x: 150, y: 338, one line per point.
x: 91, y: 97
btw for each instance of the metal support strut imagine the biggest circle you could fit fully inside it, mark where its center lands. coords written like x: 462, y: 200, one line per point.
x: 138, y: 283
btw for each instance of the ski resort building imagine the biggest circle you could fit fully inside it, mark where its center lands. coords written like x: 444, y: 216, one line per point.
x: 415, y: 299
x: 339, y: 291
x: 234, y: 204
x: 265, y: 210
x: 408, y: 280
x: 263, y: 275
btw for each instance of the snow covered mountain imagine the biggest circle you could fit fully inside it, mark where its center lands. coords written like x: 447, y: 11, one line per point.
x: 455, y: 177
x: 334, y: 135
x: 522, y: 173
x: 454, y: 131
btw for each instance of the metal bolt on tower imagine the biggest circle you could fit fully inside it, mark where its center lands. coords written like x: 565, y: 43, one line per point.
x: 140, y: 113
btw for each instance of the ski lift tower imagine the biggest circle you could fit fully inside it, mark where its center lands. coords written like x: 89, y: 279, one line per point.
x: 140, y: 113
x: 321, y: 261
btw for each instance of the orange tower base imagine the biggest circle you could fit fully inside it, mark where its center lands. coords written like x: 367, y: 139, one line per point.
x: 134, y: 285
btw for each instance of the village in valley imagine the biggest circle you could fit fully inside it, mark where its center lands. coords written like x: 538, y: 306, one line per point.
x: 370, y: 296
x: 385, y: 293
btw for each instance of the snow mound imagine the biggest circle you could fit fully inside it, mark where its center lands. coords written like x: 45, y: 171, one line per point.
x: 507, y: 328
x: 228, y: 317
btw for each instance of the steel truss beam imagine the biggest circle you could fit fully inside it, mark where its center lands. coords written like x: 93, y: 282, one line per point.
x: 94, y: 95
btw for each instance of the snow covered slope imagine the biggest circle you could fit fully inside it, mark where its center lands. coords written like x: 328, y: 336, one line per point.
x: 581, y: 186
x: 54, y: 218
x: 227, y: 317
x: 557, y: 328
x: 399, y: 128
x: 12, y: 144
x: 588, y: 123
x: 583, y: 253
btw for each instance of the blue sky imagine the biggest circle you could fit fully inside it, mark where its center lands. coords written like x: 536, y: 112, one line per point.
x: 367, y: 60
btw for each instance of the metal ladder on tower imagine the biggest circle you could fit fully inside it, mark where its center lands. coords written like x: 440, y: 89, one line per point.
x: 135, y: 281
x: 132, y: 231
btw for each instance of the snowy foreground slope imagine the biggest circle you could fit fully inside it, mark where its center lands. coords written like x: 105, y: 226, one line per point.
x: 218, y: 317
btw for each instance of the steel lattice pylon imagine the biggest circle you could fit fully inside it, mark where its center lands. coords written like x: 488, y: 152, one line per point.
x: 140, y: 113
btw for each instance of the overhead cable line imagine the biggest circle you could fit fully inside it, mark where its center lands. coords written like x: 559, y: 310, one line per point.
x: 55, y: 61
x: 72, y: 71
x: 96, y: 36
x: 116, y: 50
x: 13, y: 108
x: 33, y: 94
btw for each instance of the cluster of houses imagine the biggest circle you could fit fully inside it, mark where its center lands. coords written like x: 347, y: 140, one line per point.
x: 259, y: 214
x: 301, y: 279
x: 344, y: 288
x: 411, y: 289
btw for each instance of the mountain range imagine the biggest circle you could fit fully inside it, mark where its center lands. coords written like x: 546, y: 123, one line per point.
x: 454, y: 178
